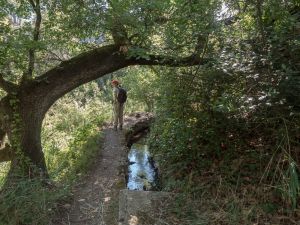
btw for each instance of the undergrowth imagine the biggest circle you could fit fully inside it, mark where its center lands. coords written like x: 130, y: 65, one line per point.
x: 232, y: 161
x: 29, y: 202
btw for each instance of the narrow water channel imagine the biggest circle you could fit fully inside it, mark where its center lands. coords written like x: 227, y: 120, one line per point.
x: 142, y: 174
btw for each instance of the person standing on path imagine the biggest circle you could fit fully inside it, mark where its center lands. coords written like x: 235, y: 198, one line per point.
x: 119, y: 99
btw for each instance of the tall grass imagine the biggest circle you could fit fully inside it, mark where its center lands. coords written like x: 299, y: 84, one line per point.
x: 293, y: 185
x: 29, y: 202
x: 4, y: 167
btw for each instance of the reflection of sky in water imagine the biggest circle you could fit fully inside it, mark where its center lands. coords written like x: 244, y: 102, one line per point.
x: 141, y: 171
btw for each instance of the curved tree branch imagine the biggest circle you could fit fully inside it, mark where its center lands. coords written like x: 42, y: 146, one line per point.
x: 88, y: 66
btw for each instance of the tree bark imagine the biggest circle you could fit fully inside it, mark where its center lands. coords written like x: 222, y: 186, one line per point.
x: 32, y: 117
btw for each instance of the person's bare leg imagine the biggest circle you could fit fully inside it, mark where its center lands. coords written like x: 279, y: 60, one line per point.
x: 121, y: 116
x: 116, y: 116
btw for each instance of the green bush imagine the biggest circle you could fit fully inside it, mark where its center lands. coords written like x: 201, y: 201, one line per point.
x: 216, y: 138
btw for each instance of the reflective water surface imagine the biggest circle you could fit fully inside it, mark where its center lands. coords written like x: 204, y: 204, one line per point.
x: 141, y: 172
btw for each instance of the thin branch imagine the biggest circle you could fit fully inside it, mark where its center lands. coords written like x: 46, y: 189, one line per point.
x: 32, y: 3
x: 202, y: 41
x: 259, y: 15
x: 55, y: 56
x: 36, y: 33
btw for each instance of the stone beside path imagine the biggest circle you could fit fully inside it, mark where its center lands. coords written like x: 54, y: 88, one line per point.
x: 141, y: 207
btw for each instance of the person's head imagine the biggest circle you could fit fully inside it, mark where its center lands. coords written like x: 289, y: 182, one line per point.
x: 115, y: 83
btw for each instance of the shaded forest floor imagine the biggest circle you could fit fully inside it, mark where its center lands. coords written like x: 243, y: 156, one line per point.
x: 95, y: 197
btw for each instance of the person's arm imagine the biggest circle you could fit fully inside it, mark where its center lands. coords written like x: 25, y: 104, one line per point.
x: 115, y: 94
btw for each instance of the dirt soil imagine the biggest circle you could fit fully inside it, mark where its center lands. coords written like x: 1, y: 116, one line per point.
x: 95, y: 198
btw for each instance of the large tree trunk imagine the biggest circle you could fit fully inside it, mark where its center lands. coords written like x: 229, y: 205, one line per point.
x: 32, y: 117
x: 23, y: 125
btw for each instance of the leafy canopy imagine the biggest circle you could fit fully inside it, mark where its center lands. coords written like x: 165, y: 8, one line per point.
x: 69, y: 27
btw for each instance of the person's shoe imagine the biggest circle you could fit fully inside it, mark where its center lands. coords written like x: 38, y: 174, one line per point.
x: 121, y: 127
x: 115, y: 128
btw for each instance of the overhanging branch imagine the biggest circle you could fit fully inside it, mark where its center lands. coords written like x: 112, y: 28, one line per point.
x: 91, y: 65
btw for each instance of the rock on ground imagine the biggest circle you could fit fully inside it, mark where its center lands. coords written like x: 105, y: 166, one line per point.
x: 142, y: 207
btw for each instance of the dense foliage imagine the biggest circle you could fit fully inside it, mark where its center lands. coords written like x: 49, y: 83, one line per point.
x: 211, y: 135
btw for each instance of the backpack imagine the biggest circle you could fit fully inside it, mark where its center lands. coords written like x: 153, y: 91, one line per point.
x: 122, y: 95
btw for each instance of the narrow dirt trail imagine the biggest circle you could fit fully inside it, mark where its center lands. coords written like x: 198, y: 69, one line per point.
x: 96, y: 196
